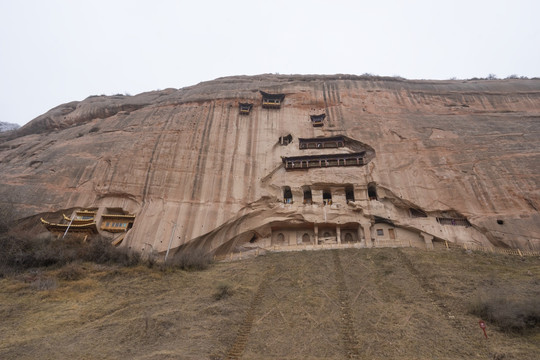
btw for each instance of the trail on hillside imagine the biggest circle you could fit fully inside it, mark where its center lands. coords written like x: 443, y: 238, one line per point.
x: 348, y: 333
x: 237, y: 348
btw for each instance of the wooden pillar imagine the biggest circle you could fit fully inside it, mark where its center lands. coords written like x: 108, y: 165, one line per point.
x: 338, y: 234
x: 367, y: 234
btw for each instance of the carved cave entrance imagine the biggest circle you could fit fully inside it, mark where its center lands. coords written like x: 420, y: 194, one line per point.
x: 327, y: 197
x: 308, y: 198
x: 372, y: 191
x: 349, y: 193
x: 287, y: 195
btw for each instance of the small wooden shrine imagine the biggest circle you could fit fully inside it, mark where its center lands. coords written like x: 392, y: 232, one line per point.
x: 317, y: 120
x: 244, y: 108
x: 271, y: 101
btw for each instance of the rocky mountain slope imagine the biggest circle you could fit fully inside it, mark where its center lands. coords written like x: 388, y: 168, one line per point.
x: 194, y: 171
x: 5, y: 126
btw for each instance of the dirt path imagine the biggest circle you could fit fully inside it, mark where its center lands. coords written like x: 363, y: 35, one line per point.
x: 348, y: 333
x: 237, y: 348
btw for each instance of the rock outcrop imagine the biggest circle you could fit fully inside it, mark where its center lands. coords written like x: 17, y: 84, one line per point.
x: 404, y: 162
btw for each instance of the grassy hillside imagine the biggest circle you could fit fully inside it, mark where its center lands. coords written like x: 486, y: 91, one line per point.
x: 366, y: 304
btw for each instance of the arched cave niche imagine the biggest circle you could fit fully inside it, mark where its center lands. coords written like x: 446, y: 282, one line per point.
x: 287, y: 195
x: 327, y: 197
x: 306, y: 239
x: 308, y: 197
x: 280, y: 238
x: 349, y: 193
x: 372, y: 191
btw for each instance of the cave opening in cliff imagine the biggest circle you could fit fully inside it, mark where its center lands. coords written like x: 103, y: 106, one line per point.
x: 253, y: 238
x: 285, y: 140
x: 372, y: 191
x: 287, y: 195
x: 308, y: 198
x: 349, y: 194
x: 416, y: 213
x: 453, y: 221
x: 327, y: 197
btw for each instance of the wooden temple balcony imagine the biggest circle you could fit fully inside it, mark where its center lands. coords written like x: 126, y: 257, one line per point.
x: 321, y: 161
x: 244, y: 108
x: 117, y: 222
x: 271, y: 101
x: 322, y: 143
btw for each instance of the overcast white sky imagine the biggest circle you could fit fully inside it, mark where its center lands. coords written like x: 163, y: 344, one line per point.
x: 56, y: 51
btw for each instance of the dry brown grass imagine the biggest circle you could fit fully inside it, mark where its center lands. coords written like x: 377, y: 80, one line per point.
x: 402, y: 303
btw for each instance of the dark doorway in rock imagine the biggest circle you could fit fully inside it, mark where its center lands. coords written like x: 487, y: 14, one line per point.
x: 253, y: 238
x: 348, y: 238
x: 287, y: 195
x: 306, y: 239
x: 372, y: 191
x: 327, y: 197
x: 280, y: 238
x: 349, y: 193
x: 308, y: 198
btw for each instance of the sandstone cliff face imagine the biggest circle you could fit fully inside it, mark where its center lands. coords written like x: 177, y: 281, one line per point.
x: 449, y: 149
